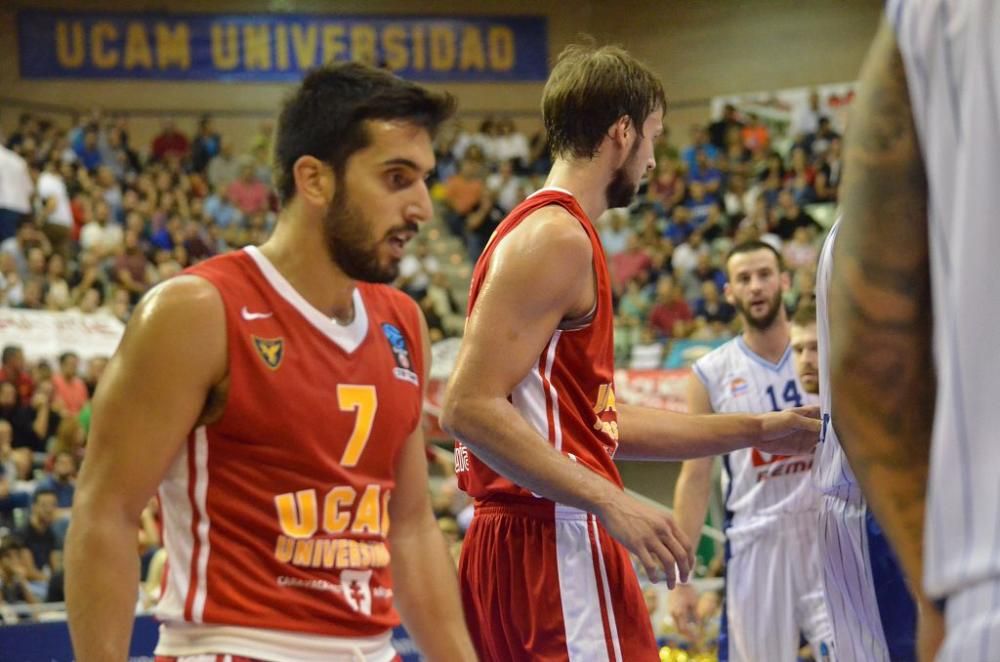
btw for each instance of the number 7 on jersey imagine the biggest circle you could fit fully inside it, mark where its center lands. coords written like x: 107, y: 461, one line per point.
x: 363, y: 400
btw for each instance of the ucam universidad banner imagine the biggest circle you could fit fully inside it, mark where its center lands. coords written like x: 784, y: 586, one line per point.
x: 278, y: 48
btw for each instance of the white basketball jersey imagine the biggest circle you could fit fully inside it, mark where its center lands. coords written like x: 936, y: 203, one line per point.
x: 951, y: 49
x: 757, y: 485
x: 831, y: 472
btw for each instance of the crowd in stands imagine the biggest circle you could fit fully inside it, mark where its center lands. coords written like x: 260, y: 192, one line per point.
x: 89, y: 222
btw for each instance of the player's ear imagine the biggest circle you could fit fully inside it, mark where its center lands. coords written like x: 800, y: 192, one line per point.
x: 315, y: 183
x: 727, y: 292
x: 622, y: 131
x: 786, y: 281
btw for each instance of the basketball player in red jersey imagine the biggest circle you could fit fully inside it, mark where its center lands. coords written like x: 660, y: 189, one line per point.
x: 545, y: 574
x: 274, y: 396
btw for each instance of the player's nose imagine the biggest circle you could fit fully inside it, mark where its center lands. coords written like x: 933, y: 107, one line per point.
x: 420, y: 208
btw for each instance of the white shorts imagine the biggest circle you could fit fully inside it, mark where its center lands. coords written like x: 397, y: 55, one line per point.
x: 774, y: 593
x: 872, y: 611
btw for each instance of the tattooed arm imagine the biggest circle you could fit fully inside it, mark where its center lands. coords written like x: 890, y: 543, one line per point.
x: 881, y: 362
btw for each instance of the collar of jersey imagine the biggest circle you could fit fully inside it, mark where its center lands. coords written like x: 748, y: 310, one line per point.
x: 347, y: 336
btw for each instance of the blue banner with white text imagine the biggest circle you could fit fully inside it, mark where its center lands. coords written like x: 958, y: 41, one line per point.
x: 278, y: 48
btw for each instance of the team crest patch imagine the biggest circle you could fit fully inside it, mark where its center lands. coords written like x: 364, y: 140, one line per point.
x: 271, y: 350
x: 397, y: 343
x: 738, y: 386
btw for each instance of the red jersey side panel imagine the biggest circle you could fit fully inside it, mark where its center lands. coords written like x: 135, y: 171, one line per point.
x: 568, y: 397
x: 276, y: 515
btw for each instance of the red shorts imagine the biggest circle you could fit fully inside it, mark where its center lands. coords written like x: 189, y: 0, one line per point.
x: 548, y: 583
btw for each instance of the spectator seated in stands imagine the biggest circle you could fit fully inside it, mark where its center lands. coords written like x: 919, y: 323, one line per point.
x: 671, y: 316
x: 14, y: 583
x: 69, y: 390
x: 626, y: 265
x: 61, y: 481
x: 615, y: 232
x: 686, y: 256
x: 247, y: 193
x: 416, y: 269
x: 170, y: 143
x: 699, y: 144
x: 793, y: 217
x: 704, y: 271
x: 712, y: 308
x: 13, y: 370
x: 42, y: 555
x: 699, y: 203
x: 680, y: 227
x: 801, y: 251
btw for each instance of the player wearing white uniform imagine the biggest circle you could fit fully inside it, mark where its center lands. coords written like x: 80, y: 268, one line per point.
x: 774, y: 591
x: 920, y: 203
x: 873, y: 614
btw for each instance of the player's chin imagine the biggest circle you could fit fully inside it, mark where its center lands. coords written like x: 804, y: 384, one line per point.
x: 810, y: 383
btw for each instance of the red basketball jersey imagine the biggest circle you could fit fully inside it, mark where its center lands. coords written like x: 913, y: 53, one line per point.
x: 276, y: 516
x: 569, y: 395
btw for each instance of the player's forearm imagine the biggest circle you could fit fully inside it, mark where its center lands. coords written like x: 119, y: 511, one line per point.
x: 881, y: 360
x: 691, y: 496
x: 657, y: 434
x: 501, y: 438
x: 102, y: 573
x: 426, y: 593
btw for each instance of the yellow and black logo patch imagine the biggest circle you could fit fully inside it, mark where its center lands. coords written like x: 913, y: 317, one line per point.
x: 271, y: 350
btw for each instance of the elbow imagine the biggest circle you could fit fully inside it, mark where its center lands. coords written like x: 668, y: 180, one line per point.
x: 451, y: 420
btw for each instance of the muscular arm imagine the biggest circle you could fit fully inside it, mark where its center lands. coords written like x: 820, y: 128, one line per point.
x: 423, y: 574
x: 658, y: 434
x: 881, y: 364
x: 537, y: 278
x: 151, y: 396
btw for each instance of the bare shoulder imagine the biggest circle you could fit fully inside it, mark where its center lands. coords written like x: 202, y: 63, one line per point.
x: 550, y: 237
x: 183, y: 316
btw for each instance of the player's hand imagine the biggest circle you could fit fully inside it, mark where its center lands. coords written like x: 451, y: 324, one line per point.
x: 683, y: 604
x: 790, y: 432
x: 652, y: 535
x: 930, y: 631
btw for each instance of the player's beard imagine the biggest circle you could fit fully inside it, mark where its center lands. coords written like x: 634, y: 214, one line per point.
x: 764, y: 322
x: 621, y: 190
x: 350, y: 242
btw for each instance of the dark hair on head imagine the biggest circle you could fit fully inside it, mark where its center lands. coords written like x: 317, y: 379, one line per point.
x: 66, y: 355
x: 325, y: 116
x: 42, y: 491
x: 590, y: 89
x: 805, y: 314
x: 752, y: 246
x: 11, y: 543
x: 9, y: 352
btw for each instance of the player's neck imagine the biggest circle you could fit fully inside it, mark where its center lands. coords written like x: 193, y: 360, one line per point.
x: 586, y: 180
x: 771, y: 343
x: 304, y: 261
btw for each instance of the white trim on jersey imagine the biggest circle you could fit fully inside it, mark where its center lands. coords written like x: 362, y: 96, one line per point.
x: 550, y: 188
x: 177, y: 514
x: 531, y: 398
x: 200, y: 502
x: 578, y: 591
x: 550, y: 359
x: 347, y: 336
